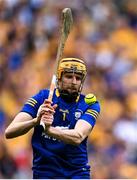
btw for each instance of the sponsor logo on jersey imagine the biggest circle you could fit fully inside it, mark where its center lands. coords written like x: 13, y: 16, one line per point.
x: 52, y: 138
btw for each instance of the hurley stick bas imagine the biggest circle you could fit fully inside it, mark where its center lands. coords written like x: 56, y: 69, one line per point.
x: 67, y: 22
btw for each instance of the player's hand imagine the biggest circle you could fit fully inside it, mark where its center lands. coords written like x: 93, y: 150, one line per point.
x: 47, y: 118
x: 45, y: 109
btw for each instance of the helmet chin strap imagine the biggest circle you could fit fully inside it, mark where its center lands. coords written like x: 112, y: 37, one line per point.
x: 67, y: 96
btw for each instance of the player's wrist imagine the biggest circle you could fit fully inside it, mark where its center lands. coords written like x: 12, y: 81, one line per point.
x: 36, y: 121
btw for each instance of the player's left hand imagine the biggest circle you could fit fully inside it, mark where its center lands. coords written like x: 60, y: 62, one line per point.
x: 47, y: 119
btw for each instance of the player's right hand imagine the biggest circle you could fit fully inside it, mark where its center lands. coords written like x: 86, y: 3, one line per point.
x: 45, y: 109
x: 48, y: 118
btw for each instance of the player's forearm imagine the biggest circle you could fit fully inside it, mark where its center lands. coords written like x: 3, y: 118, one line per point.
x: 19, y: 128
x: 70, y: 136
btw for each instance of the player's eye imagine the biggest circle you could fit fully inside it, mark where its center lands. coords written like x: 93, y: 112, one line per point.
x: 78, y: 78
x: 69, y: 76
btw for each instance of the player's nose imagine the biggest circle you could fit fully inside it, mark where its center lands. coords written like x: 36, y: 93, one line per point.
x: 74, y: 80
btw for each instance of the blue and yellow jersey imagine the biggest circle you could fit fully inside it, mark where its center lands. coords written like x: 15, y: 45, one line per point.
x: 51, y: 153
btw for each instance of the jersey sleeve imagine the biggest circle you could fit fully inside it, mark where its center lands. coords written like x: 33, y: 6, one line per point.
x: 91, y: 114
x: 32, y: 105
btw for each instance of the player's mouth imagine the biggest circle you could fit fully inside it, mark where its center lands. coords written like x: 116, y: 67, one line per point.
x: 72, y: 89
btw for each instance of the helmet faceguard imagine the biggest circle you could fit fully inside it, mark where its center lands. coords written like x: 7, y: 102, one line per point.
x: 73, y: 65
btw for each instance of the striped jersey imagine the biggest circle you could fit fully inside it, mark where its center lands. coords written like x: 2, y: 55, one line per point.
x: 50, y: 153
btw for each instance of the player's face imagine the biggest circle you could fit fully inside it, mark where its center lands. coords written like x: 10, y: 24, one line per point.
x: 70, y: 82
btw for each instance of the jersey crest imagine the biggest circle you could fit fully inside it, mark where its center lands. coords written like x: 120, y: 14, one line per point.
x: 78, y: 114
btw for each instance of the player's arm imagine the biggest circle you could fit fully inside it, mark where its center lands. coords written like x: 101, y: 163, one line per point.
x: 23, y: 121
x: 28, y: 117
x: 71, y: 136
x: 20, y: 125
x: 82, y: 128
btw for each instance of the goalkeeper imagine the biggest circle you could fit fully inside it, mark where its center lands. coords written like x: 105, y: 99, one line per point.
x: 61, y: 127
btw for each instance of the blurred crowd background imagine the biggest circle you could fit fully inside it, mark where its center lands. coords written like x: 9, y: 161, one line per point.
x: 105, y: 36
